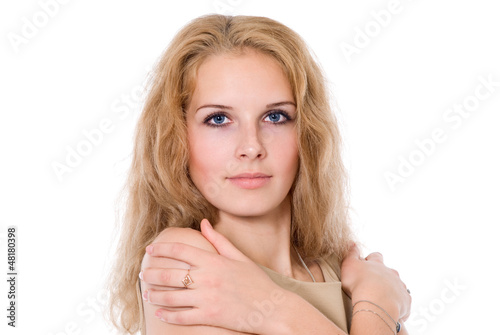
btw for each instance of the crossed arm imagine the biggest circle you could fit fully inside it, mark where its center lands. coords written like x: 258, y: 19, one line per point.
x: 227, y: 282
x: 155, y: 277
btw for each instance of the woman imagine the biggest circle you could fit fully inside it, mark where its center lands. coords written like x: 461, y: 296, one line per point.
x: 237, y: 128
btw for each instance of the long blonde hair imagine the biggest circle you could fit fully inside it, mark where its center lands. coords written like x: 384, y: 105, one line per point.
x: 160, y: 191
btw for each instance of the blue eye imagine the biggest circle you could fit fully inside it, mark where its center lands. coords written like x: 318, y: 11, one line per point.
x: 219, y: 119
x: 216, y: 120
x: 277, y: 117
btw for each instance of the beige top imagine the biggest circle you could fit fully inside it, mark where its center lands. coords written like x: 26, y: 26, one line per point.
x: 328, y: 297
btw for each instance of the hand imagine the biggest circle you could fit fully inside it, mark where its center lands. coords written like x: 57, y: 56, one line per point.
x: 229, y: 290
x: 369, y: 279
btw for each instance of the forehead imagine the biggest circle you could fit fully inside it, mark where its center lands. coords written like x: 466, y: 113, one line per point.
x: 242, y: 77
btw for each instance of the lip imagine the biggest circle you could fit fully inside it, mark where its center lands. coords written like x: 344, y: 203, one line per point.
x: 250, y: 181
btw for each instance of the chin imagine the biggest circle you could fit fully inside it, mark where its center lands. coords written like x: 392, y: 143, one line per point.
x: 246, y: 211
x: 251, y: 207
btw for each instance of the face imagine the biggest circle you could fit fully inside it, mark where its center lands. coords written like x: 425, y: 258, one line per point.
x: 242, y: 139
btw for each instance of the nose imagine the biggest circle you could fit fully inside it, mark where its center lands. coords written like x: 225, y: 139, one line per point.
x: 250, y: 144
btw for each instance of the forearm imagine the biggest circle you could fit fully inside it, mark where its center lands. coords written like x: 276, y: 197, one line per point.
x: 375, y: 314
x: 297, y: 317
x: 372, y: 324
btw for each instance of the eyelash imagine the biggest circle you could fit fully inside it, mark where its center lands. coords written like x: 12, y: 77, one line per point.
x: 275, y: 111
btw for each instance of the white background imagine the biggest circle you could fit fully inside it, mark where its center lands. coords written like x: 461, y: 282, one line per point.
x: 82, y: 65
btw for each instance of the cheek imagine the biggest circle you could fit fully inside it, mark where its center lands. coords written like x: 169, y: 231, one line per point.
x: 207, y: 155
x: 291, y: 160
x: 286, y: 153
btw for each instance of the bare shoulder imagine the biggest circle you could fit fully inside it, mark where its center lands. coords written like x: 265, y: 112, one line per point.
x: 186, y: 236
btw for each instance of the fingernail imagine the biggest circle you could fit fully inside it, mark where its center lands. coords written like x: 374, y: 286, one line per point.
x: 149, y: 249
x: 145, y: 295
x: 140, y: 276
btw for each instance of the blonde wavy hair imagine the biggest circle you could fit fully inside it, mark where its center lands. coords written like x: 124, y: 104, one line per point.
x: 160, y: 191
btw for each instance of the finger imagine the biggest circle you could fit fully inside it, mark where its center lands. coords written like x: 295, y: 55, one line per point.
x: 354, y: 252
x: 189, y: 317
x: 170, y: 298
x: 180, y: 251
x: 375, y: 256
x: 163, y: 262
x: 408, y: 312
x: 164, y: 277
x: 405, y: 317
x: 223, y: 246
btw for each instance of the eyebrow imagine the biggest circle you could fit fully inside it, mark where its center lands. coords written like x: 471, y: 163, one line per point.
x: 273, y: 105
x: 277, y: 104
x: 214, y: 106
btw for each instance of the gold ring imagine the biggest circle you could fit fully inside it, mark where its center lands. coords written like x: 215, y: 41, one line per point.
x: 187, y: 280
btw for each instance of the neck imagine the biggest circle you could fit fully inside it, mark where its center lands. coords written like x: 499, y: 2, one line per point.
x: 261, y: 237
